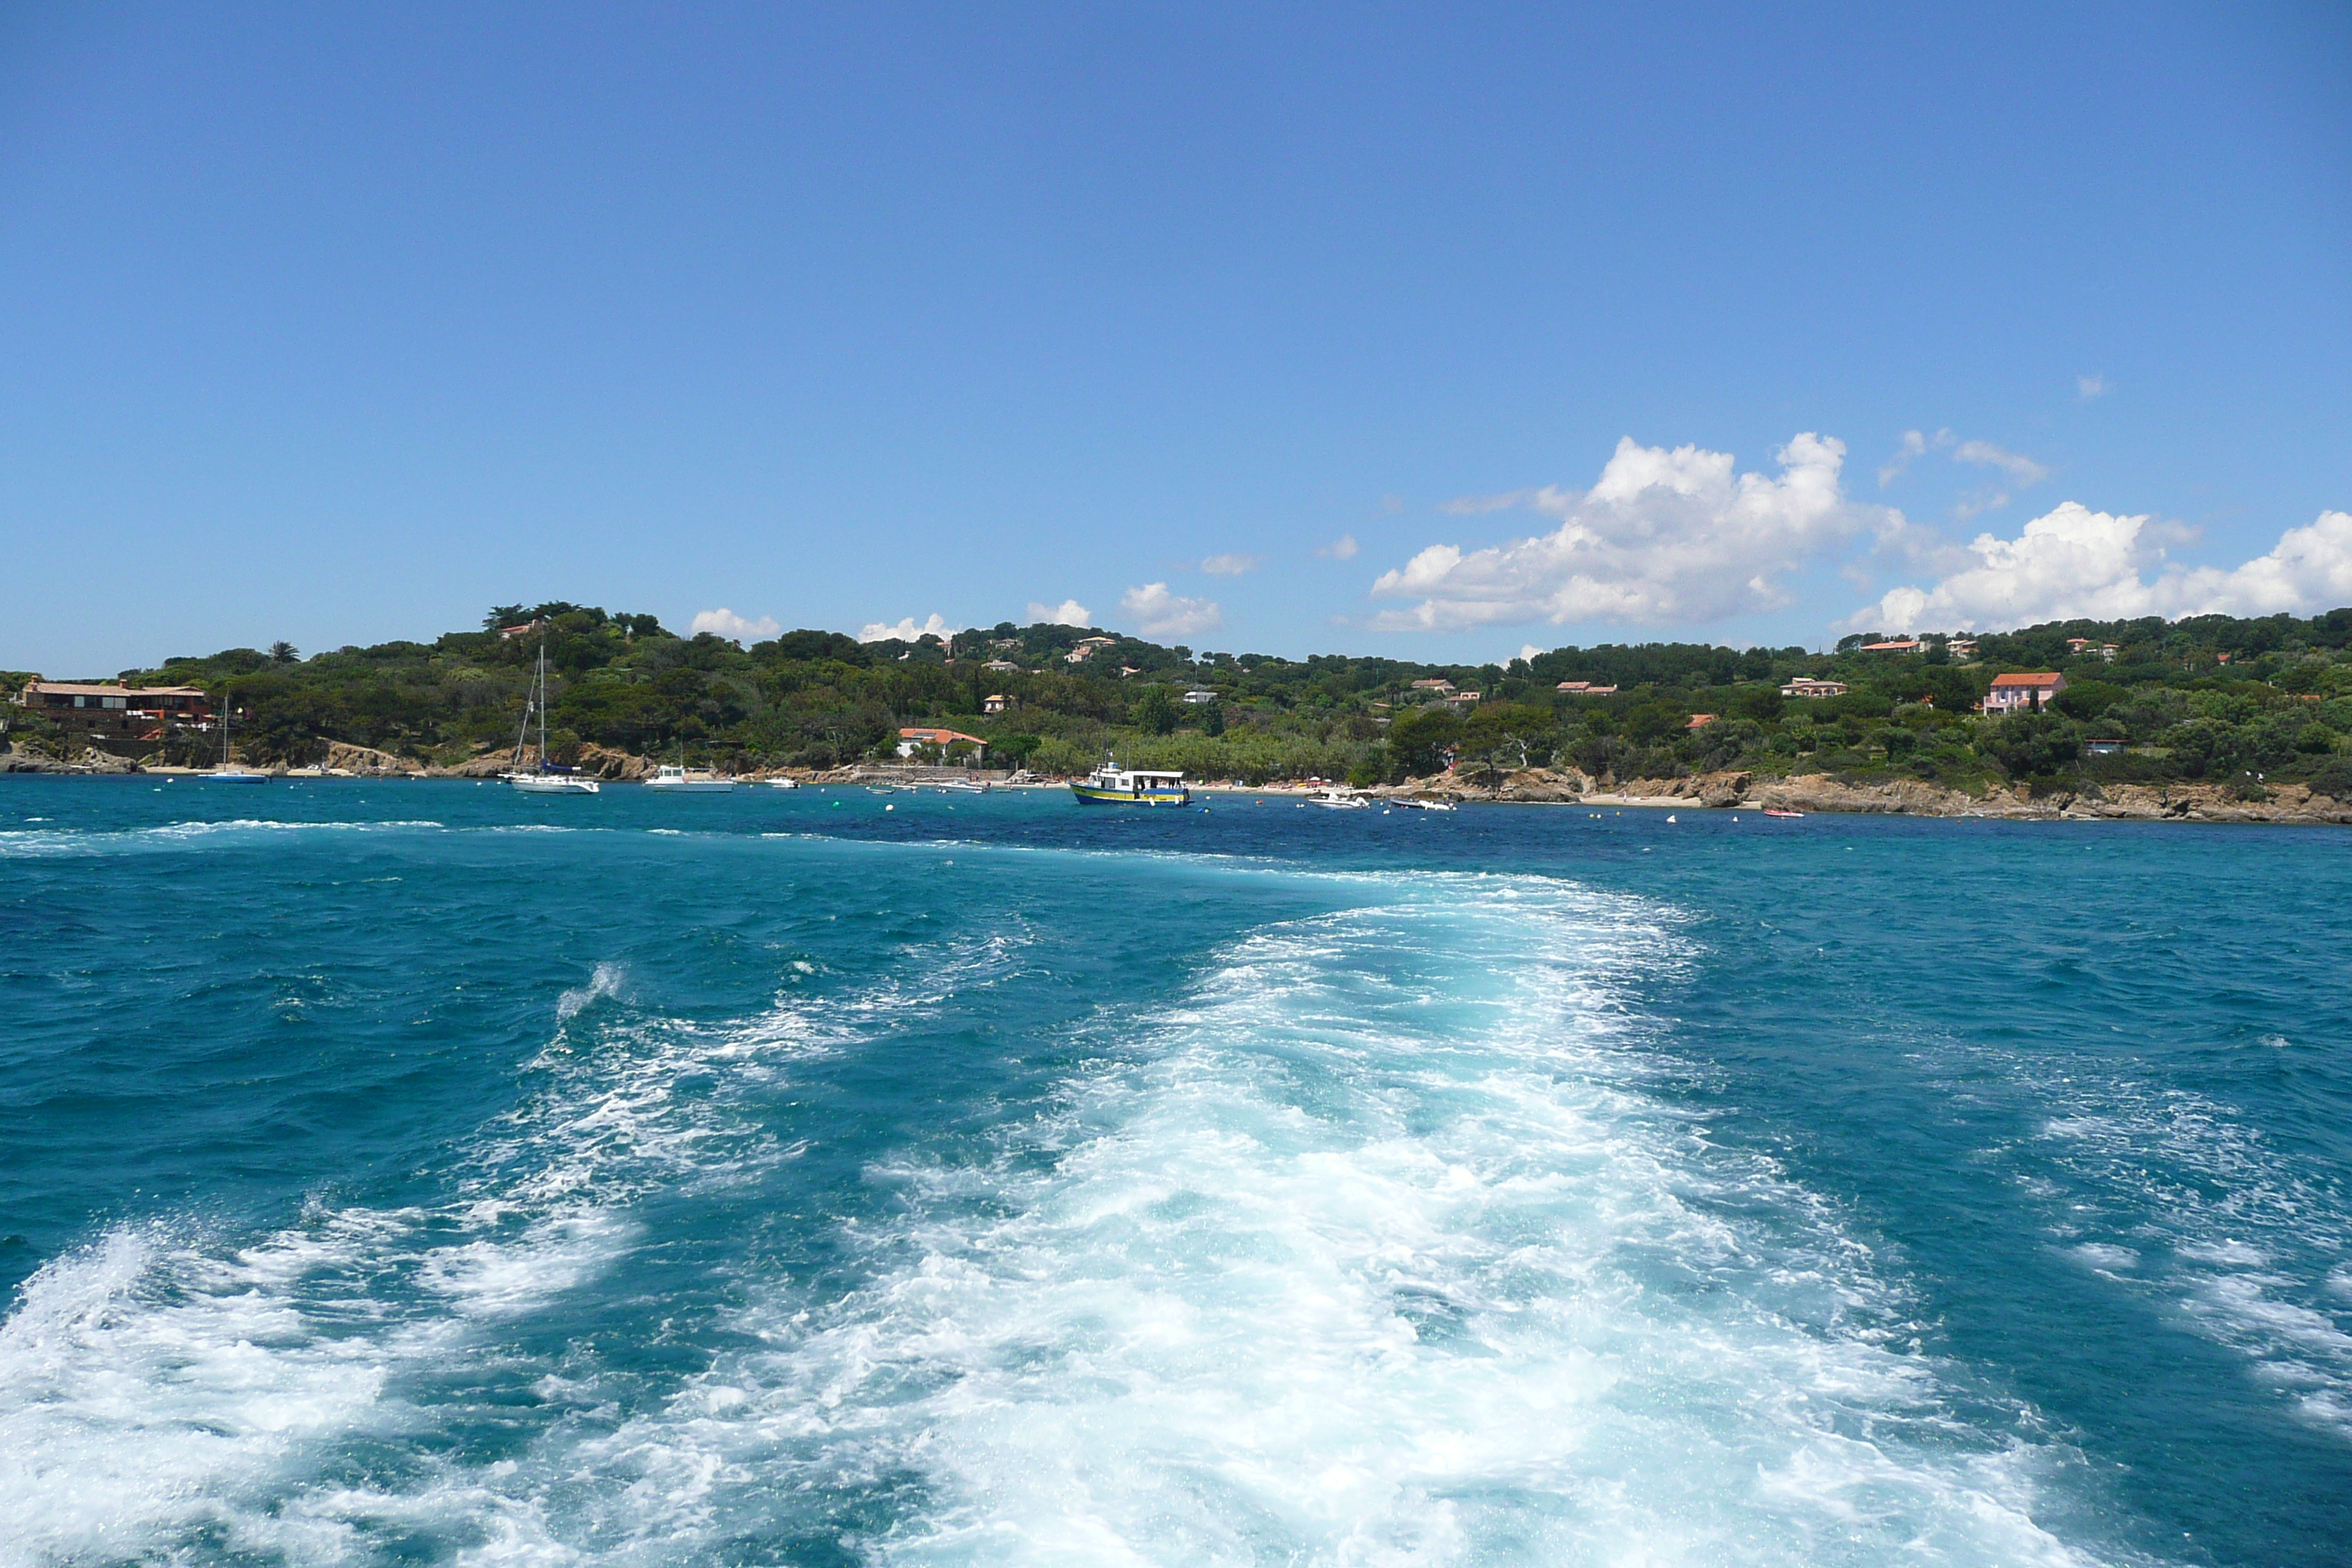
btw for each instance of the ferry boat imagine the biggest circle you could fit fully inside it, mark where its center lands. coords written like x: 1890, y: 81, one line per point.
x: 1111, y: 785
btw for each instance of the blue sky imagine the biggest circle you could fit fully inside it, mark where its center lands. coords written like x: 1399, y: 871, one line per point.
x: 337, y: 324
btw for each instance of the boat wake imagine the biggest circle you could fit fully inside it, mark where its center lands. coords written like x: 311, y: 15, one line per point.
x: 1383, y: 1245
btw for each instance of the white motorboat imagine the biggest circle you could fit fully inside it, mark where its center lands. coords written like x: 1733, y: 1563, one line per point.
x: 1422, y: 804
x: 783, y: 783
x: 541, y: 776
x: 1340, y: 800
x: 964, y: 786
x: 672, y: 779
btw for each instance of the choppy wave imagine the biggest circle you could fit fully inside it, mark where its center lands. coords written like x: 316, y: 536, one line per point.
x: 26, y: 843
x: 2171, y: 1192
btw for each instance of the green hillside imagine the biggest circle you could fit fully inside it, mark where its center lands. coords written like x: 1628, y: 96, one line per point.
x: 2211, y: 698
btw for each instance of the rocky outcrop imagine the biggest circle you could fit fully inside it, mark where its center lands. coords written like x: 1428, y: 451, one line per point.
x: 1910, y: 797
x: 599, y: 762
x: 18, y: 760
x: 94, y: 761
x: 367, y: 762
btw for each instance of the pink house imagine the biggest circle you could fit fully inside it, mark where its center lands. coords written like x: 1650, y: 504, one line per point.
x: 2021, y: 693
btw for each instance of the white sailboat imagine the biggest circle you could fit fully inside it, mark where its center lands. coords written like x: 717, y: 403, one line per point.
x: 228, y: 773
x: 545, y: 777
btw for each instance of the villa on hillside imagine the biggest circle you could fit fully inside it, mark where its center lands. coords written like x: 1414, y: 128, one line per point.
x: 1806, y: 686
x: 1896, y: 645
x: 914, y: 739
x: 2023, y: 693
x: 104, y: 708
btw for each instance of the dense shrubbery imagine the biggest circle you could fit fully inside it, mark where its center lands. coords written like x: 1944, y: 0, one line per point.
x: 2211, y: 698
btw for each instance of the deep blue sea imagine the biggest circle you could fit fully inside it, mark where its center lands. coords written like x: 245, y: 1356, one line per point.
x: 413, y: 1173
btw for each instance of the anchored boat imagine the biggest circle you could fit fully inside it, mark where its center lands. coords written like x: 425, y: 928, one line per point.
x: 1111, y: 785
x: 672, y: 778
x: 542, y: 777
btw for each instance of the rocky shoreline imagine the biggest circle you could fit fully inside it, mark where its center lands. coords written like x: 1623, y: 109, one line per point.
x: 2194, y: 801
x: 2288, y: 803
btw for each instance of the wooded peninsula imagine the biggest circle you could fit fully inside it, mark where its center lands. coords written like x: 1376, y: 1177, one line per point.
x: 2243, y: 705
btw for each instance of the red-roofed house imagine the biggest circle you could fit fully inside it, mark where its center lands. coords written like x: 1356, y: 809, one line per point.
x: 2021, y: 693
x: 912, y: 740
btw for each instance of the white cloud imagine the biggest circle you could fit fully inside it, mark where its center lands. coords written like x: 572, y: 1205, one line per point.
x: 1666, y: 536
x: 2075, y: 562
x: 1914, y: 445
x: 2016, y: 465
x: 1229, y: 565
x: 2021, y: 469
x: 1528, y: 651
x: 1479, y: 506
x: 1068, y: 613
x: 905, y: 631
x: 1162, y: 614
x: 728, y: 624
x: 1340, y: 549
x: 2090, y: 386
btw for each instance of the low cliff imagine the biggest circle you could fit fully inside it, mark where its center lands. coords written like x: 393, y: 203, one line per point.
x: 1913, y: 797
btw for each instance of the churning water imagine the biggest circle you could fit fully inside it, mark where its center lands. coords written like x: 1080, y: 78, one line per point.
x: 769, y: 1178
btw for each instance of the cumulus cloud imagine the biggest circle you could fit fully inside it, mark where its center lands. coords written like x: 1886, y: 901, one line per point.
x: 1340, y: 549
x: 728, y: 624
x: 2090, y: 386
x: 1529, y: 652
x: 1162, y: 614
x: 1665, y: 536
x: 905, y: 631
x: 1229, y: 565
x: 1068, y: 613
x: 2075, y: 562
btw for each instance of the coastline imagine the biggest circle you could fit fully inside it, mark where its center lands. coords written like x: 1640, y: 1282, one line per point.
x: 2289, y: 804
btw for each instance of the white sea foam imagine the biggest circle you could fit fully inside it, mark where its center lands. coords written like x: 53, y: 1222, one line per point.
x: 1374, y: 1252
x: 606, y: 982
x: 53, y: 842
x: 1378, y: 1249
x: 2223, y: 1227
x: 162, y: 1387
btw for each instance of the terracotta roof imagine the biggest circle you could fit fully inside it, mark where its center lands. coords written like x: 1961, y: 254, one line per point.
x: 2027, y: 680
x: 91, y: 688
x: 938, y: 736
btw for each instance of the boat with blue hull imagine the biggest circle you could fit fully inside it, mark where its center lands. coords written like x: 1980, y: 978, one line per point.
x: 1111, y: 785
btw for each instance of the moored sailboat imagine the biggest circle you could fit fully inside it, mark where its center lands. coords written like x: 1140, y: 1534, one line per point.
x: 542, y: 777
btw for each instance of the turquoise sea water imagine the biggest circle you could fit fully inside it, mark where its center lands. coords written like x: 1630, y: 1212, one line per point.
x: 414, y: 1173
